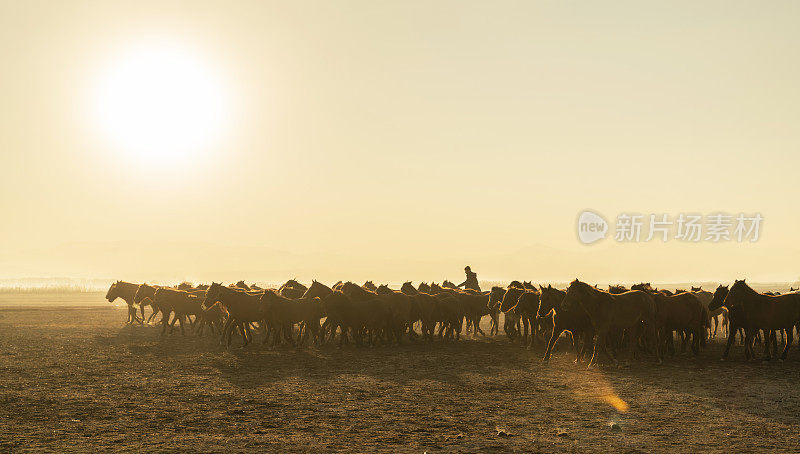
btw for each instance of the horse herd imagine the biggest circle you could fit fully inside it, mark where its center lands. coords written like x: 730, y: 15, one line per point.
x: 640, y: 319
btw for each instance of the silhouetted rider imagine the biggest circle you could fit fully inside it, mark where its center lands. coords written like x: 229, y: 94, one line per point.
x: 472, y: 280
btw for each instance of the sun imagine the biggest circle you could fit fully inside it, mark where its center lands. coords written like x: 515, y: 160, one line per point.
x: 160, y: 103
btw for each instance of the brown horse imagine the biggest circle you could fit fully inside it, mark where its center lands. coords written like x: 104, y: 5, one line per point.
x: 496, y: 295
x: 402, y: 309
x: 145, y: 295
x: 317, y: 289
x: 386, y: 315
x: 617, y: 289
x: 127, y: 292
x: 242, y: 307
x: 766, y: 313
x: 241, y: 285
x: 683, y: 313
x: 607, y: 312
x: 283, y: 313
x: 292, y: 289
x: 714, y: 315
x: 735, y: 319
x: 179, y: 302
x: 575, y: 321
x: 441, y: 308
x: 214, y: 317
x: 526, y: 309
x: 512, y: 322
x: 423, y: 309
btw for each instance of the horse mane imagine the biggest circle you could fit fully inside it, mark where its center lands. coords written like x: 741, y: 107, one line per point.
x: 588, y: 288
x: 617, y: 288
x: 550, y: 289
x: 746, y: 287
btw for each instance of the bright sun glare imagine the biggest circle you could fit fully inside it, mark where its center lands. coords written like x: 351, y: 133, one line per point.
x: 160, y: 103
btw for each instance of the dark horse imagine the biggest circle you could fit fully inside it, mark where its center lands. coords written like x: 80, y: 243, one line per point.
x: 242, y: 307
x: 575, y: 321
x: 764, y: 312
x: 608, y: 312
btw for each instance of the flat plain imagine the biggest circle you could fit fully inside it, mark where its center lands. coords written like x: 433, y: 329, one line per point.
x: 73, y: 377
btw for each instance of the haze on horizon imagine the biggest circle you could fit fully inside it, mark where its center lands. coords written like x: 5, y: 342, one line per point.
x: 392, y: 141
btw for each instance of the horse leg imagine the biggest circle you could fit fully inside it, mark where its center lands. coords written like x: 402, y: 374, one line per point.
x: 164, y: 321
x: 684, y: 340
x: 788, y: 343
x: 180, y: 319
x: 609, y: 352
x: 248, y: 334
x: 594, y: 350
x: 775, y: 341
x: 227, y: 331
x: 551, y: 343
x: 669, y: 341
x: 769, y: 336
x: 749, y: 340
x: 731, y: 340
x: 588, y: 343
x: 525, y: 333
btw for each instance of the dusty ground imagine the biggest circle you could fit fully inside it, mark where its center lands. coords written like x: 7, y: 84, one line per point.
x: 78, y: 380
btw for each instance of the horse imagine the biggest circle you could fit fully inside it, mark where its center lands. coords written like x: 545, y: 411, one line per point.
x: 575, y: 321
x: 765, y: 312
x: 144, y: 296
x: 616, y: 289
x: 292, y: 289
x: 126, y: 291
x: 448, y: 284
x: 179, y: 302
x: 512, y: 322
x: 283, y: 313
x: 369, y: 286
x: 214, y: 317
x: 242, y: 307
x: 384, y: 314
x: 404, y: 309
x: 424, y: 309
x: 496, y: 295
x: 714, y: 315
x: 608, y: 312
x: 682, y: 312
x: 441, y: 308
x: 317, y: 289
x: 241, y: 285
x: 526, y: 309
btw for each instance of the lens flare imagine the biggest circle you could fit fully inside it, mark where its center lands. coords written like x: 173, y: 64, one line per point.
x: 616, y: 402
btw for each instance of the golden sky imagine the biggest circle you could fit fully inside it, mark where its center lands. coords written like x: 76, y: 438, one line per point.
x: 398, y: 140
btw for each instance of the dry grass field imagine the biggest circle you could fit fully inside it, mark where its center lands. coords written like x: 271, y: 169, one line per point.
x: 76, y: 379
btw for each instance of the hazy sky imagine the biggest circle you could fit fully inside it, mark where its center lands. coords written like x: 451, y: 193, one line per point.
x: 403, y: 140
